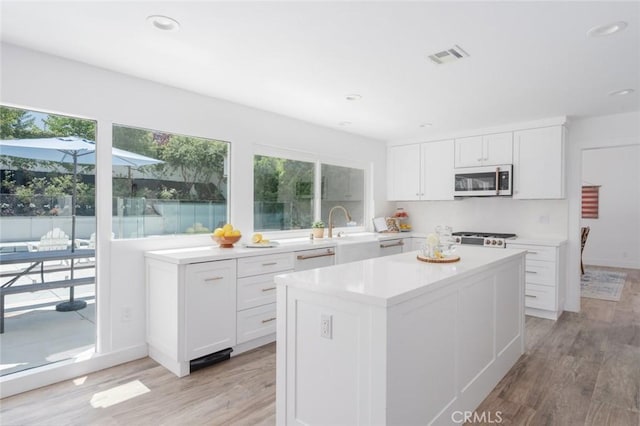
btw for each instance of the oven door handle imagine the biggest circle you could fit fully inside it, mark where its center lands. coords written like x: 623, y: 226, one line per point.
x: 497, y: 180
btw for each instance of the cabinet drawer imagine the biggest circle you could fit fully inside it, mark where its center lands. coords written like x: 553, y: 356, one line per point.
x: 536, y: 252
x: 256, y: 291
x: 540, y: 272
x: 256, y: 322
x: 248, y: 266
x: 540, y: 297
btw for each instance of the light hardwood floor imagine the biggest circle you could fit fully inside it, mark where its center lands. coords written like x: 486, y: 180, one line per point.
x: 583, y: 369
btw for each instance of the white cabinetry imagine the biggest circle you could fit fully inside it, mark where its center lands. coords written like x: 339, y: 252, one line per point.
x: 421, y: 171
x: 545, y: 277
x: 256, y: 312
x: 389, y: 247
x: 484, y: 150
x: 538, y: 163
x: 190, y: 311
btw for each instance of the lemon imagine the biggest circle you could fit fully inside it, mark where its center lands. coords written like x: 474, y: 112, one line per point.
x: 256, y: 238
x: 235, y: 233
x: 228, y: 234
x: 219, y: 232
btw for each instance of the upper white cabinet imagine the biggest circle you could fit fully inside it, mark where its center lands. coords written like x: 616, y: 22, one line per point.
x: 486, y: 150
x: 538, y: 163
x: 421, y: 171
x: 403, y: 168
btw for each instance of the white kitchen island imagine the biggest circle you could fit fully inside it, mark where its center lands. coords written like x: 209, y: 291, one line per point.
x: 397, y: 341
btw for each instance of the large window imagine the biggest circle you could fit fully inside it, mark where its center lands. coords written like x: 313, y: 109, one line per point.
x: 283, y: 195
x: 48, y: 222
x: 342, y: 186
x: 167, y: 183
x: 285, y: 199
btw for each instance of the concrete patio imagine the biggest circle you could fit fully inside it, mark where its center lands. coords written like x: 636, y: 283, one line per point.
x: 36, y: 334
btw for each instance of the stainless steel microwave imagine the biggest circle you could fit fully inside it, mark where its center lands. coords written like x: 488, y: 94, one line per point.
x: 486, y: 181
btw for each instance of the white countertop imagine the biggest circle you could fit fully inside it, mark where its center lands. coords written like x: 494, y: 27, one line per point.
x: 213, y: 252
x: 389, y: 280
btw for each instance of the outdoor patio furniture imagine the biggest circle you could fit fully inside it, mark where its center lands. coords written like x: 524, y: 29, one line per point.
x: 34, y: 259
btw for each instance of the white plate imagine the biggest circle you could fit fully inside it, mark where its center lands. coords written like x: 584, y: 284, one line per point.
x: 262, y: 245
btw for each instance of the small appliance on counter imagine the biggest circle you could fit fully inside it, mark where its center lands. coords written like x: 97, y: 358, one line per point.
x: 486, y: 239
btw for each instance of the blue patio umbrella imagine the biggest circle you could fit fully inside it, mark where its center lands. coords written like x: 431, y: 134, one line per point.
x: 73, y: 150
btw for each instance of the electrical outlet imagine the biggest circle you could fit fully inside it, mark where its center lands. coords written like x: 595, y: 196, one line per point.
x: 126, y: 314
x: 326, y: 326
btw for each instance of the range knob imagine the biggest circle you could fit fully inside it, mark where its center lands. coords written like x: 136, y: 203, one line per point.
x: 493, y: 242
x: 499, y: 242
x: 487, y: 242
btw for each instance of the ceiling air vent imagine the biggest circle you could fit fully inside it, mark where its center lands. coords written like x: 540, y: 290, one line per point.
x: 450, y: 55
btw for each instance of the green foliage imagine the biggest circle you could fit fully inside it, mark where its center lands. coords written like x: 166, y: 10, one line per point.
x: 196, y: 160
x: 135, y: 140
x: 318, y: 224
x: 58, y: 125
x: 17, y: 123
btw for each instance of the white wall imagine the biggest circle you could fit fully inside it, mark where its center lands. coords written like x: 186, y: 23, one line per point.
x: 38, y: 81
x: 526, y: 218
x: 614, y: 238
x: 589, y: 133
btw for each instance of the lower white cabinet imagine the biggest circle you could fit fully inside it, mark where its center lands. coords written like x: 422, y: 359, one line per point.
x: 256, y: 290
x: 389, y: 247
x: 190, y: 311
x: 545, y: 277
x: 256, y: 322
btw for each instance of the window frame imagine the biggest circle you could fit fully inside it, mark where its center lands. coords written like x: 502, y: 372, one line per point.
x: 318, y: 160
x: 226, y: 173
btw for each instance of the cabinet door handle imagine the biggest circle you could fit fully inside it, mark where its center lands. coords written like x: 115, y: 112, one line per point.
x: 531, y: 272
x: 269, y: 263
x: 313, y: 256
x: 268, y: 320
x: 400, y: 243
x: 479, y: 159
x: 497, y: 180
x: 531, y: 295
x: 213, y: 279
x: 532, y: 252
x: 268, y: 289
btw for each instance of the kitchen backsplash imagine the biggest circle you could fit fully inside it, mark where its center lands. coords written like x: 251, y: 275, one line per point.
x: 526, y: 218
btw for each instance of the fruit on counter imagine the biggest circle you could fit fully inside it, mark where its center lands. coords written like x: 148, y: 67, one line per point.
x: 405, y: 226
x: 400, y: 213
x: 258, y: 239
x: 227, y: 231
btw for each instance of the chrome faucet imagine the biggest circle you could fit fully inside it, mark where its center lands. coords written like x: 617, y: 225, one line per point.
x: 331, y: 218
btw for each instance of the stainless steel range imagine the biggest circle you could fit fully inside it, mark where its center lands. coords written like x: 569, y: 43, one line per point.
x: 487, y: 239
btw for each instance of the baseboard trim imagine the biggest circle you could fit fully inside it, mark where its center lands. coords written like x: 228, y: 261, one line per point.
x: 24, y: 381
x: 612, y: 263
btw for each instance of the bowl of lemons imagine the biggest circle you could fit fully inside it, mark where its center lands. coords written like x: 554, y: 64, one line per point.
x: 226, y: 236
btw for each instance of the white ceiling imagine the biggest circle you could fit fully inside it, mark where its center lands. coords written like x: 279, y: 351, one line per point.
x: 528, y: 60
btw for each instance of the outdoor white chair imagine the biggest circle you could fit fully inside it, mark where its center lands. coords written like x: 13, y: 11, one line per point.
x: 55, y: 239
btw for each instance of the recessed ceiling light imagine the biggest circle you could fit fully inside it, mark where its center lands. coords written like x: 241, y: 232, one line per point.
x: 426, y: 125
x: 344, y: 123
x: 163, y: 23
x: 621, y: 92
x: 608, y: 29
x: 353, y: 97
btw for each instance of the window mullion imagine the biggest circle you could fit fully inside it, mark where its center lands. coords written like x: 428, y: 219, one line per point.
x: 317, y: 191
